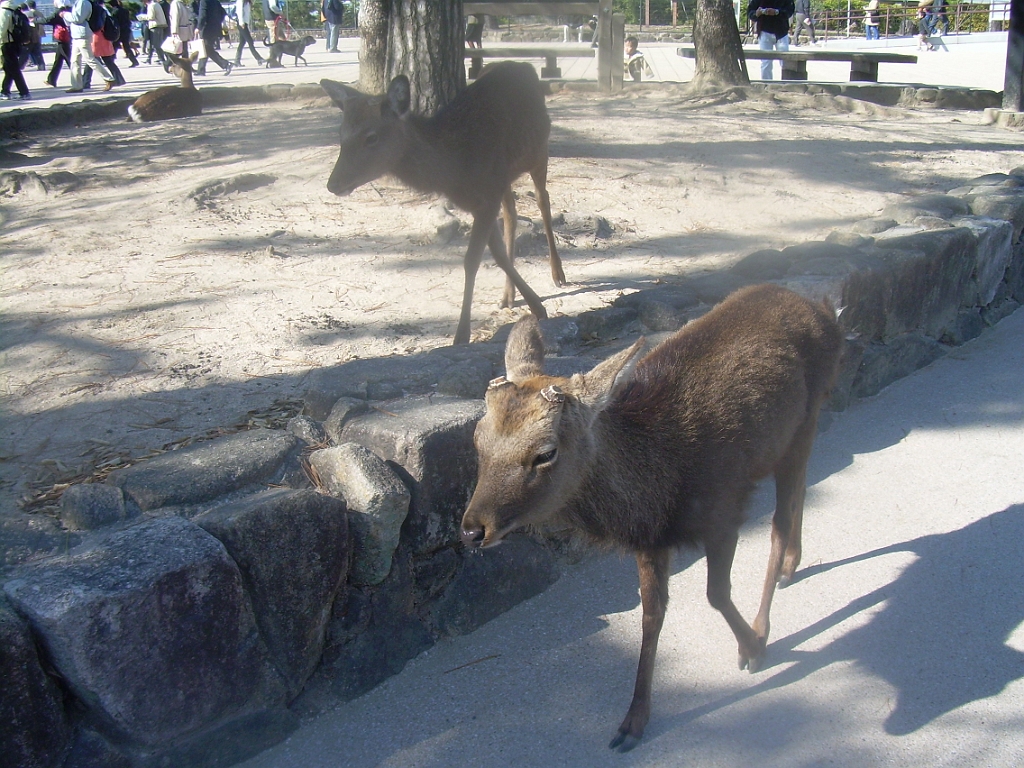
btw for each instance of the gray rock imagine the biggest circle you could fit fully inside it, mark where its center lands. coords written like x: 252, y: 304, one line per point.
x: 34, y: 730
x: 584, y: 224
x: 228, y: 744
x: 883, y: 364
x: 993, y: 314
x: 917, y: 282
x: 205, y: 470
x: 341, y: 412
x: 292, y: 548
x: 1009, y: 207
x: 1014, y: 276
x: 663, y: 308
x: 848, y: 239
x: 431, y: 440
x: 942, y: 206
x: 152, y: 631
x: 763, y: 266
x: 969, y: 325
x: 378, y: 500
x: 307, y: 430
x: 994, y: 251
x: 90, y: 506
x: 92, y: 750
x: 873, y: 226
x: 491, y: 582
x: 24, y: 538
x: 466, y: 379
x: 606, y: 323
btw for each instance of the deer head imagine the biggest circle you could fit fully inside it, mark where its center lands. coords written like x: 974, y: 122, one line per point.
x: 372, y: 135
x: 536, y: 441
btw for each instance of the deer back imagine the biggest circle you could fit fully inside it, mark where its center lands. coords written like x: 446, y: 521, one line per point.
x: 170, y: 101
x: 471, y: 150
x: 642, y: 452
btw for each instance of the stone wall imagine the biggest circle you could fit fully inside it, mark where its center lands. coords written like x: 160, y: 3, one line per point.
x: 217, y: 593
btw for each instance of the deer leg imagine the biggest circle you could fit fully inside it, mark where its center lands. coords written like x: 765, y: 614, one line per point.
x: 653, y: 567
x: 720, y: 552
x: 508, y: 208
x: 501, y: 259
x: 540, y: 182
x: 479, y: 234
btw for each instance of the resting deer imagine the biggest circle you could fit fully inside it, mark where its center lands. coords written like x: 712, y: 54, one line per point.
x: 170, y: 101
x: 655, y: 453
x: 471, y: 151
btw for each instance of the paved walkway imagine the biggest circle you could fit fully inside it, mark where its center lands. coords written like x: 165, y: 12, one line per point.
x: 976, y: 61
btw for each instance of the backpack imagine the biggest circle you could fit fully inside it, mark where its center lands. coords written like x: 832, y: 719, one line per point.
x: 21, y: 28
x: 97, y: 17
x: 111, y: 30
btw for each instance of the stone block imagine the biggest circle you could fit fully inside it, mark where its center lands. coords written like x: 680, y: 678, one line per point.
x: 24, y: 538
x: 943, y: 206
x: 995, y: 247
x: 606, y: 323
x: 873, y: 226
x: 205, y: 470
x: 307, y: 430
x: 491, y: 582
x: 969, y: 325
x: 34, y: 731
x: 430, y: 440
x: 343, y: 410
x: 916, y: 282
x: 377, y: 499
x: 663, y: 308
x: 292, y: 548
x: 90, y: 506
x: 151, y: 629
x: 883, y: 364
x: 467, y: 379
x: 1008, y: 206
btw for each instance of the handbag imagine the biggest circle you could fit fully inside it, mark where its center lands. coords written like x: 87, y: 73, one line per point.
x: 199, y: 46
x: 171, y: 44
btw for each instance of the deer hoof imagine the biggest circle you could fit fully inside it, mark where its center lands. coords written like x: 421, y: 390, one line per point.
x: 624, y: 742
x: 785, y: 580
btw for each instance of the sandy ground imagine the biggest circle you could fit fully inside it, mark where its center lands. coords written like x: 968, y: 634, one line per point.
x: 163, y: 281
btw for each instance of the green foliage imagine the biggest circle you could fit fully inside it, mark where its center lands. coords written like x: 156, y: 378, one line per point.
x: 661, y: 11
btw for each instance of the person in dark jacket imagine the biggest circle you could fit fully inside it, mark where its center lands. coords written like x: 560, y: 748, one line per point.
x: 62, y: 37
x: 123, y: 19
x: 209, y: 20
x: 771, y: 20
x: 10, y: 49
x: 334, y: 15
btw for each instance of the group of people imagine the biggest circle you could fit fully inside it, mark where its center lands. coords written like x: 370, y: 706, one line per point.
x: 88, y: 33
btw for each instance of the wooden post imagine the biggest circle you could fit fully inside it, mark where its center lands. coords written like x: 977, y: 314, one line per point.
x: 618, y: 44
x: 1013, y: 82
x: 605, y: 58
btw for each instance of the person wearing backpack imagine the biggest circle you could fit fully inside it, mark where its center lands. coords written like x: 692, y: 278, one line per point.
x: 124, y: 28
x: 85, y: 21
x: 103, y: 45
x: 14, y: 33
x: 209, y: 22
x: 62, y: 37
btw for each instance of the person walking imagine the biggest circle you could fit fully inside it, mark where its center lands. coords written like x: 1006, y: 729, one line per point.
x: 181, y: 29
x: 245, y: 33
x: 871, y: 20
x: 14, y: 34
x: 35, y: 45
x: 124, y: 25
x: 156, y: 21
x: 103, y: 48
x: 801, y: 19
x: 209, y: 20
x: 334, y: 14
x: 62, y: 37
x: 771, y: 20
x: 82, y: 57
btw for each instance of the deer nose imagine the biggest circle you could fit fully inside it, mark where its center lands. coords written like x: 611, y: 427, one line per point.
x: 473, y: 537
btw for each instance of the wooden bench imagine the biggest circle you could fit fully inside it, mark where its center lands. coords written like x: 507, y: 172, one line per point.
x: 610, y: 39
x: 550, y: 54
x: 863, y: 64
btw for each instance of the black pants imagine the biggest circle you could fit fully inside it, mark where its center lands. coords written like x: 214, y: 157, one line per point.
x: 61, y: 57
x: 12, y: 69
x: 126, y: 46
x: 244, y: 39
x: 210, y: 38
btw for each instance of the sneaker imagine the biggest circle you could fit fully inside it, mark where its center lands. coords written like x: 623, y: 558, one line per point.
x: 228, y: 68
x: 73, y: 90
x: 24, y: 97
x: 5, y: 97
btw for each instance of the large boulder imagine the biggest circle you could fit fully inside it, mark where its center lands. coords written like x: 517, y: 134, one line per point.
x: 205, y: 470
x: 152, y: 630
x: 34, y: 731
x: 292, y: 548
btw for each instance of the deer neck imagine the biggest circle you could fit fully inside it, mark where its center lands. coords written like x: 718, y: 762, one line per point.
x: 186, y: 78
x: 428, y: 164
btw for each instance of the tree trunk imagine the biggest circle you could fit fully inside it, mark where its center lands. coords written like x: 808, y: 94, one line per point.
x: 716, y: 39
x: 373, y: 49
x: 426, y: 44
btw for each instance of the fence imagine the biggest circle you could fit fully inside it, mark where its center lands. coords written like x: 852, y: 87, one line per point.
x: 901, y: 19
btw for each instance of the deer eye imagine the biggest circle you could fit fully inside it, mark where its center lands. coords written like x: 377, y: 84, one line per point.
x: 372, y: 139
x: 545, y: 458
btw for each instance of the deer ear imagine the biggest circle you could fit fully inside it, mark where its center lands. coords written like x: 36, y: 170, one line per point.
x: 607, y: 379
x: 339, y: 92
x: 524, y: 352
x: 399, y: 95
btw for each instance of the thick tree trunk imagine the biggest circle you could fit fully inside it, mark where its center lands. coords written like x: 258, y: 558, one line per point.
x: 373, y: 49
x: 716, y: 39
x: 426, y: 44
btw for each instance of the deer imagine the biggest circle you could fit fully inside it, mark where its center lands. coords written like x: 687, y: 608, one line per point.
x: 650, y: 454
x: 471, y: 151
x: 170, y: 101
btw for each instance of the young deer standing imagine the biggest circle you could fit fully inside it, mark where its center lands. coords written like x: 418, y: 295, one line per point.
x: 170, y: 101
x: 661, y: 452
x: 470, y: 151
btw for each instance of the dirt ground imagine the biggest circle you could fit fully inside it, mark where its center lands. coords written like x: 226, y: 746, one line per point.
x: 166, y: 281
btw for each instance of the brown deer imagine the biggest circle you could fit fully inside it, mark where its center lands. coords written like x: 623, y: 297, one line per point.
x: 657, y: 453
x: 170, y: 101
x: 470, y: 151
